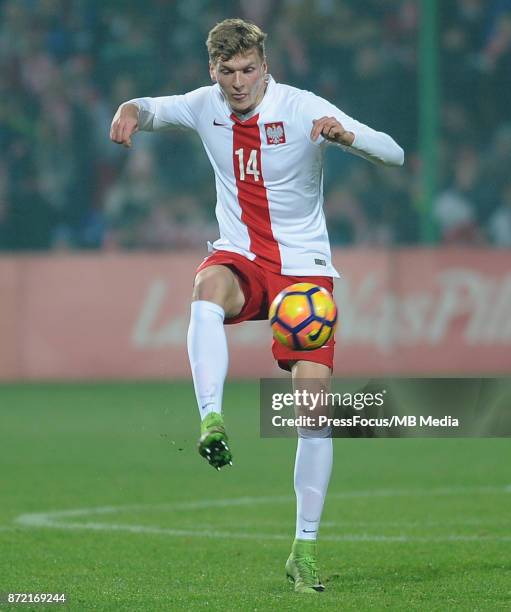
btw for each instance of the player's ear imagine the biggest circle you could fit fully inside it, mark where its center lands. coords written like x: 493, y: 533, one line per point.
x: 212, y: 72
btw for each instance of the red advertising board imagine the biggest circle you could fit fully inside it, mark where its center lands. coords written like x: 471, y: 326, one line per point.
x: 402, y: 312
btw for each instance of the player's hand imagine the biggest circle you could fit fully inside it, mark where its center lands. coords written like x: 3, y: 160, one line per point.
x: 124, y: 124
x: 331, y: 129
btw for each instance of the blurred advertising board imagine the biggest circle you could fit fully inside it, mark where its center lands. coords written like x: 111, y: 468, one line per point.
x: 402, y: 312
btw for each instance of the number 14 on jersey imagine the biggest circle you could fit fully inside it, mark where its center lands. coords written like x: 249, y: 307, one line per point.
x: 251, y: 166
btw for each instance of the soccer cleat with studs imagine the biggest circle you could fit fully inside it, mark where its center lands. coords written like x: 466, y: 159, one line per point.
x: 213, y: 443
x: 301, y: 567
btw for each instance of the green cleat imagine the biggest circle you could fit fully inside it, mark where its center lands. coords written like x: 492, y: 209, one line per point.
x: 301, y: 567
x: 213, y: 444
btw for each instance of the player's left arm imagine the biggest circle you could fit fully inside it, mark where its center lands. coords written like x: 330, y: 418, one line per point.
x: 328, y: 122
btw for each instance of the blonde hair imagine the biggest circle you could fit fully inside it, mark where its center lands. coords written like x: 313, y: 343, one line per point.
x: 233, y: 37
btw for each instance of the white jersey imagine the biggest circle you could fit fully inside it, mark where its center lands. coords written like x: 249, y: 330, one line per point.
x: 268, y: 171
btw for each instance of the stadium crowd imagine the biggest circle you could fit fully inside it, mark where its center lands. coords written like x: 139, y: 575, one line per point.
x: 65, y: 65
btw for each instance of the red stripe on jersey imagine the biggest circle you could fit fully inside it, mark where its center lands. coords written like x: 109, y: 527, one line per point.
x: 252, y: 195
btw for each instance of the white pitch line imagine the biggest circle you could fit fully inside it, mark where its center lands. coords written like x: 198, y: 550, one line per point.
x: 54, y: 519
x: 277, y: 499
x: 145, y: 529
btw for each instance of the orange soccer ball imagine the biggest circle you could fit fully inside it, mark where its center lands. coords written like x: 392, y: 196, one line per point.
x: 303, y: 316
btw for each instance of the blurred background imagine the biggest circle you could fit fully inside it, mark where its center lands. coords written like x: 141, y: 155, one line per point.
x: 67, y: 64
x: 434, y: 75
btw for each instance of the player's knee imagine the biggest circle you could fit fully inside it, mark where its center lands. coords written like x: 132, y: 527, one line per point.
x: 214, y: 284
x: 210, y: 284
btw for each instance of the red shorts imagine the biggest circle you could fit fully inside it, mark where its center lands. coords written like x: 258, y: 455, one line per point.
x: 260, y: 286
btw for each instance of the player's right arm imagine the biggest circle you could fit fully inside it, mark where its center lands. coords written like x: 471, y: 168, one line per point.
x: 155, y: 114
x: 124, y: 124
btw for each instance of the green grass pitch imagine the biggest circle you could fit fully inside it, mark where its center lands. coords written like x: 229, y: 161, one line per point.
x: 104, y: 497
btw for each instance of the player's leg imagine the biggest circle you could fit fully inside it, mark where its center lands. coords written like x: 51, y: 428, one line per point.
x: 216, y: 295
x: 313, y: 466
x: 314, y: 454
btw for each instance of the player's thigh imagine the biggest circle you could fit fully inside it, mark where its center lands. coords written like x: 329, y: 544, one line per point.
x: 220, y: 285
x: 313, y: 378
x: 316, y: 375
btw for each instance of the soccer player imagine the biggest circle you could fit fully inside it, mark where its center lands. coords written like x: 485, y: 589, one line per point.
x: 265, y: 142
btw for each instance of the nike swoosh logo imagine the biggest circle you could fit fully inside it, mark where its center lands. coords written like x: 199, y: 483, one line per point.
x: 315, y: 335
x: 216, y: 123
x: 309, y: 530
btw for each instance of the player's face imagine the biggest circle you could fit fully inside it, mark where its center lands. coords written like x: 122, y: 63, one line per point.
x: 242, y: 80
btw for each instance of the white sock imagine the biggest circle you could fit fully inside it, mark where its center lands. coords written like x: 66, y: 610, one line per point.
x: 312, y: 473
x: 207, y: 350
